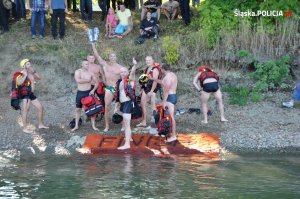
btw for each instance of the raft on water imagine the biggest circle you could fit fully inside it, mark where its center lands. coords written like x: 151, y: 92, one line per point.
x: 145, y: 144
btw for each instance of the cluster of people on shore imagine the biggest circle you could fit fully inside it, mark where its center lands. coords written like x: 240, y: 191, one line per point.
x: 118, y: 18
x: 91, y: 76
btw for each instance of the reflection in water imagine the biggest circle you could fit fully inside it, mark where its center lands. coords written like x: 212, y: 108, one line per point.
x: 114, y: 176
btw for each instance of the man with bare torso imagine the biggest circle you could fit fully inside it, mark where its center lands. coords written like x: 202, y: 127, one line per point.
x: 126, y: 82
x: 98, y: 72
x: 149, y: 89
x: 84, y: 81
x: 112, y: 74
x: 169, y: 84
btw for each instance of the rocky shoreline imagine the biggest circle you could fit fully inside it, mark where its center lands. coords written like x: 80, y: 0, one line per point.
x: 263, y: 127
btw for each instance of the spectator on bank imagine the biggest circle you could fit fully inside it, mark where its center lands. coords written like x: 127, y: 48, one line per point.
x: 125, y: 22
x: 4, y: 14
x: 37, y: 8
x: 20, y: 10
x: 58, y: 10
x: 104, y: 5
x: 153, y: 6
x: 86, y: 7
x: 111, y: 22
x: 149, y: 28
x: 170, y: 9
x: 295, y: 96
x: 185, y: 11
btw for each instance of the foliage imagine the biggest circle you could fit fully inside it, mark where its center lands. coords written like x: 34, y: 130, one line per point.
x: 271, y: 74
x: 237, y: 94
x: 170, y: 46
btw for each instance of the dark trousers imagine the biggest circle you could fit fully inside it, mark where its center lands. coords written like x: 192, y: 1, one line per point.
x: 4, y: 14
x: 20, y: 9
x: 58, y: 14
x: 104, y: 5
x: 73, y: 5
x: 150, y: 33
x: 86, y: 7
x: 129, y: 4
x: 185, y: 11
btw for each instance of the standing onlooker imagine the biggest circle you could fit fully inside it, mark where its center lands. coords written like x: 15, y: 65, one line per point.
x: 37, y: 8
x: 185, y: 11
x: 86, y: 4
x: 124, y: 17
x: 111, y: 22
x: 153, y: 6
x: 104, y: 5
x: 170, y: 9
x: 58, y: 8
x: 4, y: 13
x: 20, y: 10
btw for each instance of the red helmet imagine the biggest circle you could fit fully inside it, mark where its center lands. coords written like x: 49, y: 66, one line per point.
x: 204, y: 68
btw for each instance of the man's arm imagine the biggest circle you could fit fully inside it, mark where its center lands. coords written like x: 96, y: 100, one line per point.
x: 98, y: 57
x: 95, y: 86
x: 155, y: 76
x: 80, y: 80
x: 195, y: 82
x: 133, y: 69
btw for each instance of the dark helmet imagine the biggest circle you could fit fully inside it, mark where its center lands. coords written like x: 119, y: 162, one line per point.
x: 143, y: 79
x: 117, y: 119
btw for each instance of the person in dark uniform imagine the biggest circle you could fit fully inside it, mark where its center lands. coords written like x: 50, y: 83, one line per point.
x: 185, y: 11
x: 4, y: 14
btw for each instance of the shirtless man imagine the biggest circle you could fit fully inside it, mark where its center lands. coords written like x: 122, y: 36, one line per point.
x: 127, y: 104
x: 26, y: 83
x: 84, y: 81
x: 169, y: 84
x: 112, y: 72
x: 149, y: 90
x: 98, y: 72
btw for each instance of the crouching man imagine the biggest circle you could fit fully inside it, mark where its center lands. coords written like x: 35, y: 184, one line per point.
x: 169, y: 85
x: 125, y: 95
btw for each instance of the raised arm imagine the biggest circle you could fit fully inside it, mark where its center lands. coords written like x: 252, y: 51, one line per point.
x: 195, y: 82
x: 133, y: 69
x: 97, y: 56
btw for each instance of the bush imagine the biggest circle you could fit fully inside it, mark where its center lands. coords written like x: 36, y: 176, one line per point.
x: 170, y: 46
x: 271, y: 74
x: 237, y: 95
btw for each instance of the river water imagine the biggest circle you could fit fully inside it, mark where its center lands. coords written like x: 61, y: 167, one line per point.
x: 82, y: 176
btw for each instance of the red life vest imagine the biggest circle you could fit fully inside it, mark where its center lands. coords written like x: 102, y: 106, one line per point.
x: 206, y: 73
x: 23, y: 89
x: 148, y: 86
x: 100, y: 88
x: 92, y: 106
x: 163, y: 121
x: 129, y: 91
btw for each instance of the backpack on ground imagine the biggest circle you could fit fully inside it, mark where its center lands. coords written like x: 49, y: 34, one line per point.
x: 92, y: 106
x: 163, y: 121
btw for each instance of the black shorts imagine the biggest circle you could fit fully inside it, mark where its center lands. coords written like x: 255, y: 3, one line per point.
x: 79, y: 96
x: 30, y: 96
x: 211, y: 87
x: 172, y: 98
x: 127, y: 107
x: 147, y: 88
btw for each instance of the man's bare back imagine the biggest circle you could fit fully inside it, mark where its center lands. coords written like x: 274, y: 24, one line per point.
x: 170, y: 82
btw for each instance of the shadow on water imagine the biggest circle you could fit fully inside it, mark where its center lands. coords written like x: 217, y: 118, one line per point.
x: 118, y: 176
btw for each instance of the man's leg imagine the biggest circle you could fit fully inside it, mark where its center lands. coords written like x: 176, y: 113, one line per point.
x: 174, y: 14
x: 93, y: 121
x: 54, y: 23
x: 42, y: 22
x: 204, y: 99
x: 90, y: 9
x: 144, y: 100
x: 40, y: 111
x: 74, y: 5
x: 153, y: 102
x: 218, y: 96
x: 82, y: 9
x: 107, y: 99
x: 171, y: 111
x: 62, y: 17
x: 114, y: 4
x: 126, y: 122
x: 77, y: 117
x: 166, y: 13
x: 23, y: 9
x: 33, y: 23
x: 18, y: 9
x: 26, y: 106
